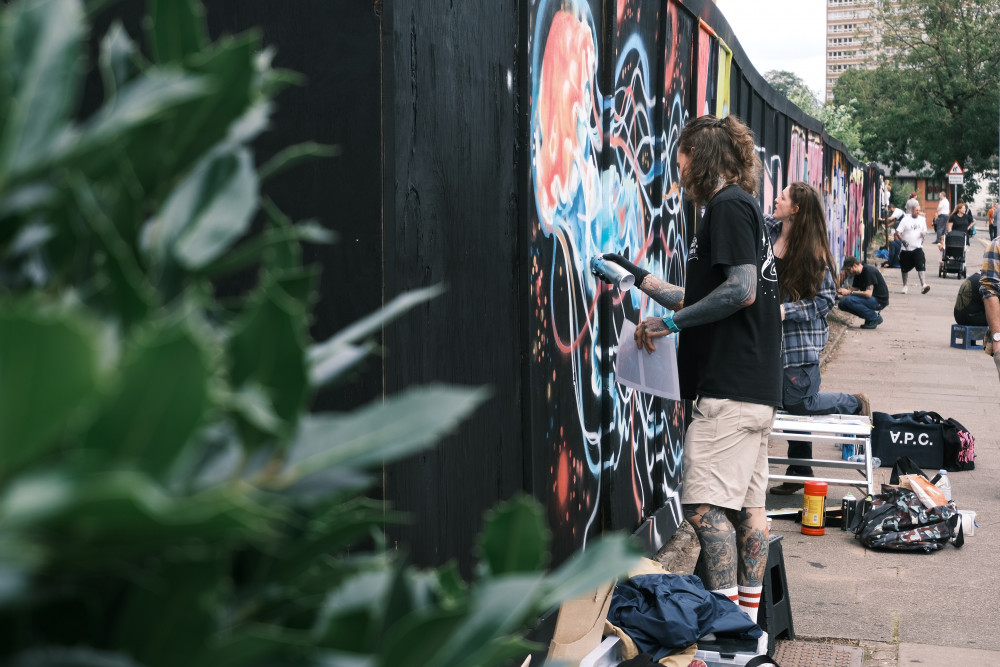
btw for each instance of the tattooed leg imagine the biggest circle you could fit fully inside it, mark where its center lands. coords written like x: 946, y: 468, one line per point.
x: 718, y: 544
x: 751, y: 541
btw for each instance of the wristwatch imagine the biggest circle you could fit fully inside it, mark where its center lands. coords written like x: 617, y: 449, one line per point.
x: 996, y: 337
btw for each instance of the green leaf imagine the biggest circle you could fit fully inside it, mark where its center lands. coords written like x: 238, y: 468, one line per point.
x: 196, y: 129
x: 182, y: 596
x: 51, y: 656
x: 339, y: 529
x: 372, y: 323
x: 252, y: 251
x: 499, y: 607
x: 208, y: 211
x: 253, y: 644
x: 294, y: 155
x: 327, y: 360
x: 348, y: 618
x: 141, y: 103
x: 417, y: 639
x: 336, y: 361
x: 177, y: 30
x: 381, y: 432
x: 48, y: 377
x: 95, y: 519
x: 160, y: 399
x: 42, y: 42
x: 117, y: 60
x: 133, y: 295
x: 515, y: 537
x: 267, y: 348
x: 603, y: 560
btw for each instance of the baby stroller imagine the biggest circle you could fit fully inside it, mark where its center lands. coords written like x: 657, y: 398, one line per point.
x: 953, y: 256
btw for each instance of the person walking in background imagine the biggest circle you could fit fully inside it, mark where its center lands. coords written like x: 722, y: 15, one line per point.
x: 867, y: 295
x: 805, y: 265
x: 961, y: 220
x: 729, y: 355
x: 941, y: 219
x: 989, y: 290
x: 991, y: 221
x: 911, y: 231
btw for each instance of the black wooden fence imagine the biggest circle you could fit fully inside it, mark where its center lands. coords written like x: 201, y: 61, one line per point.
x: 495, y: 147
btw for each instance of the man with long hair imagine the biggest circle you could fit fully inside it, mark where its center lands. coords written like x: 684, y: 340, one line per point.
x: 729, y: 355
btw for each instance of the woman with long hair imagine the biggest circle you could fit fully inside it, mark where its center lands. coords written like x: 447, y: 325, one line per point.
x: 807, y: 289
x: 729, y: 353
x: 960, y: 220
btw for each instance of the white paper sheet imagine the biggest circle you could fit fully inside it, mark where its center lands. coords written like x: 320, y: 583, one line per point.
x: 654, y: 373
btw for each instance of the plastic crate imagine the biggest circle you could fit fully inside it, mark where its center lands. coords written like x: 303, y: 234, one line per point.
x: 723, y: 657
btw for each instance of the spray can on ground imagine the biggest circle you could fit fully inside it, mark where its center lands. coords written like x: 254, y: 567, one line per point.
x: 848, y: 508
x: 814, y: 508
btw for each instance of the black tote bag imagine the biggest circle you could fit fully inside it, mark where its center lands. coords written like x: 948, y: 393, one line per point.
x: 912, y: 434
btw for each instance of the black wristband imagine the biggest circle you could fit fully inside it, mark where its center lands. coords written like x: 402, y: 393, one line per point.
x: 636, y: 272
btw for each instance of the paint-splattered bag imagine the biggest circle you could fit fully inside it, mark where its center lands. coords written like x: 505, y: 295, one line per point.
x: 898, y: 521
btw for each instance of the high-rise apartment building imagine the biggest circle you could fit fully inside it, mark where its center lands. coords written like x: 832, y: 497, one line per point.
x: 851, y: 35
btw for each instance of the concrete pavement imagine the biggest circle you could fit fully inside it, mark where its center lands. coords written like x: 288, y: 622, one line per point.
x: 931, y: 609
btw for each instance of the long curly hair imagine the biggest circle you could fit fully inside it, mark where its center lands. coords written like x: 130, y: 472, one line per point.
x: 721, y: 152
x: 807, y: 251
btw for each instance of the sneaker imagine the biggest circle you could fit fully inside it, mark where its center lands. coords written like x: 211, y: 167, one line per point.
x: 926, y: 289
x: 865, y: 409
x: 871, y: 324
x: 904, y: 290
x: 787, y: 488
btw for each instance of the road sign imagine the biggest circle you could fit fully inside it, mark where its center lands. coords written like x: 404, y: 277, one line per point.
x: 955, y: 170
x: 956, y: 179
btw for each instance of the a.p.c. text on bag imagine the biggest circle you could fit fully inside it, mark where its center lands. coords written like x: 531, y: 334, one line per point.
x: 914, y: 435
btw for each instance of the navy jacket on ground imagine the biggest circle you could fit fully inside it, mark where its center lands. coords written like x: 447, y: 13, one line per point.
x: 666, y: 612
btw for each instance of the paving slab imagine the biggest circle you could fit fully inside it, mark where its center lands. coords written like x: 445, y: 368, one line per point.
x: 903, y: 608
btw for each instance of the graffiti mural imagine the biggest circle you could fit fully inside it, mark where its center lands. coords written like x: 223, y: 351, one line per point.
x: 604, y: 131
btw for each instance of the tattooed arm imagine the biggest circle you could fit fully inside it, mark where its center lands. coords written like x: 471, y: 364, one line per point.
x: 666, y: 294
x: 737, y: 292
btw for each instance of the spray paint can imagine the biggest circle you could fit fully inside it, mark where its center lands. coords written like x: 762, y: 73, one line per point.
x: 611, y: 272
x: 848, y: 508
x: 814, y: 508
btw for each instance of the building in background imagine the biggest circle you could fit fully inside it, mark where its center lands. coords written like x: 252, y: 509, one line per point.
x: 851, y: 36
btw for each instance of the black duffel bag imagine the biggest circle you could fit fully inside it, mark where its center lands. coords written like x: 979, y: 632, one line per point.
x: 913, y: 434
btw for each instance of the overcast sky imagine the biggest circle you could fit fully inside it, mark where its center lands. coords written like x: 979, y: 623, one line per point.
x: 782, y: 34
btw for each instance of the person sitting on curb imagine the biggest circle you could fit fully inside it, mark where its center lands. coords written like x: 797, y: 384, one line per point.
x: 867, y: 295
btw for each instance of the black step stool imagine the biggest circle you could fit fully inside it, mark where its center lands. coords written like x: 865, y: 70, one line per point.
x: 967, y: 337
x: 775, y: 613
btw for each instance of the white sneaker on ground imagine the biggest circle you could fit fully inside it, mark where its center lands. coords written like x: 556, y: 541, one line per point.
x: 904, y: 290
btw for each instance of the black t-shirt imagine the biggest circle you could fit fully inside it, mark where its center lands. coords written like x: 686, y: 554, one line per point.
x: 739, y: 357
x: 870, y: 276
x: 960, y: 223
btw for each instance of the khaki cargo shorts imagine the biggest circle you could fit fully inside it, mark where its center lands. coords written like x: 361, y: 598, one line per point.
x: 725, y: 454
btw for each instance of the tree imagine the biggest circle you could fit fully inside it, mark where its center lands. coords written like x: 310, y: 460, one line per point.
x: 795, y: 89
x: 932, y: 98
x: 837, y: 119
x: 166, y: 497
